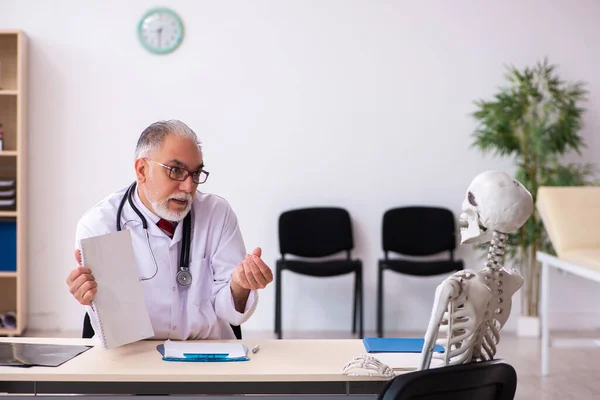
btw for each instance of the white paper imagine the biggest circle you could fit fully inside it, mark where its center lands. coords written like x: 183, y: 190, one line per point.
x: 119, y: 303
x: 177, y: 349
x: 7, y: 193
x: 403, y: 361
x: 7, y: 202
x: 7, y: 183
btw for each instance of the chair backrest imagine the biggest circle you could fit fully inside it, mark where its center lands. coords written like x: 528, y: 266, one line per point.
x: 487, y: 380
x: 571, y: 216
x: 418, y: 230
x: 88, y: 330
x: 315, y: 232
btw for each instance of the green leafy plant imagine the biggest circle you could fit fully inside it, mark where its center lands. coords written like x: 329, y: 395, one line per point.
x: 535, y: 120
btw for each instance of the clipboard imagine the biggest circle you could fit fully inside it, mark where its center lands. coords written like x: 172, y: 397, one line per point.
x: 204, y: 352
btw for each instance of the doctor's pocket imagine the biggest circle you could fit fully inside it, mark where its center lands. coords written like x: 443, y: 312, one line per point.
x: 202, y: 280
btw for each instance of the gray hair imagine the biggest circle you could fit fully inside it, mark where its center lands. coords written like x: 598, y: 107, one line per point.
x: 154, y: 135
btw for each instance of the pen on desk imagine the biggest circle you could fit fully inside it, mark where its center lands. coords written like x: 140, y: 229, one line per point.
x: 255, y: 348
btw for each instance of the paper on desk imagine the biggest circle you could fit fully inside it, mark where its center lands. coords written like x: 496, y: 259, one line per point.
x: 404, y: 361
x: 177, y: 349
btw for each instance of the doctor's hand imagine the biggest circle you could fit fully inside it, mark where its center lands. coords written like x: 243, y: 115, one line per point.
x: 252, y: 273
x: 82, y: 283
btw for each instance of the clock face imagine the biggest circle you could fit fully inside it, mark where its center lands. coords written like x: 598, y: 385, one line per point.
x: 160, y: 31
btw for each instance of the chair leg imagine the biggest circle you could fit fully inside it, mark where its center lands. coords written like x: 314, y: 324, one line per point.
x: 278, y: 301
x: 275, y: 329
x: 354, y: 303
x: 360, y: 299
x: 380, y: 302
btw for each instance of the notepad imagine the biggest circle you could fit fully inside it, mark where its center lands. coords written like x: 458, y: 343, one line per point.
x: 397, y: 345
x: 119, y: 305
x: 203, y: 352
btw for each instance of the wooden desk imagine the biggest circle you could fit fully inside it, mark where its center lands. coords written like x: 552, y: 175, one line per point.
x: 587, y: 271
x: 280, y: 367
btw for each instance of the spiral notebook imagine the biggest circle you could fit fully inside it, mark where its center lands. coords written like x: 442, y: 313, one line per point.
x: 119, y: 305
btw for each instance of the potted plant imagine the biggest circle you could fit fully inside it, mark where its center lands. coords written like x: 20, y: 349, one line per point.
x: 535, y: 120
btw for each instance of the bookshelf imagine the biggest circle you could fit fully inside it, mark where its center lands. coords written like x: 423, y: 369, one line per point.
x: 13, y: 183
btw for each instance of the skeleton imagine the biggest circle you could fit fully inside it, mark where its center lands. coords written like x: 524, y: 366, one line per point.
x: 471, y: 307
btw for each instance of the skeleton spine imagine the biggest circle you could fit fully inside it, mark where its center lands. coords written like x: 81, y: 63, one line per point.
x: 497, y: 250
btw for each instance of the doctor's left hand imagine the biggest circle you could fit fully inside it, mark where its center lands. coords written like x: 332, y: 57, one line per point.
x: 252, y: 273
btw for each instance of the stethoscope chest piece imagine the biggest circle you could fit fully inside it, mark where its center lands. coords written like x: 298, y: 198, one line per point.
x: 184, y: 278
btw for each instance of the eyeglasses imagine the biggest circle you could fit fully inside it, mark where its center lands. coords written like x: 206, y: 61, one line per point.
x: 181, y: 174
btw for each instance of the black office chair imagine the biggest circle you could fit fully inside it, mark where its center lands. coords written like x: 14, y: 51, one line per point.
x: 416, y: 231
x: 316, y: 233
x: 88, y: 330
x: 487, y: 380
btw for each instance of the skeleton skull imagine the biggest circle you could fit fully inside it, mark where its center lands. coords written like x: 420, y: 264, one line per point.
x: 494, y: 202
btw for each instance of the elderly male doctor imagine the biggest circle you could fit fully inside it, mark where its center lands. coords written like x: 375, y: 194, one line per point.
x: 221, y: 288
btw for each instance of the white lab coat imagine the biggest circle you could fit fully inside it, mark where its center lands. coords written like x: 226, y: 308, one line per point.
x: 205, y: 309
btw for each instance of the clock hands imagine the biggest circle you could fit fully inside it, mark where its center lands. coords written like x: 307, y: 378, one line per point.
x: 159, y: 35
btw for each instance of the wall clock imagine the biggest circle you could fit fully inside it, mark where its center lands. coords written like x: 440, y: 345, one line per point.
x: 160, y: 30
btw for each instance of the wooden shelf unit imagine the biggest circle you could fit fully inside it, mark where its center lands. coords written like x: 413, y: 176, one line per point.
x: 13, y: 166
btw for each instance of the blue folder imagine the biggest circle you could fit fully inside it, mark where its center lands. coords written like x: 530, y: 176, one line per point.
x: 212, y: 357
x: 397, y: 345
x: 8, y: 246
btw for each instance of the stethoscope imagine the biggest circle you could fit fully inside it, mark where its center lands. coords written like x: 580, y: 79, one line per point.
x: 184, y: 277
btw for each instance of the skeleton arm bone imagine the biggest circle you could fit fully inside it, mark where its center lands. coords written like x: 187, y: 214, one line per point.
x: 447, y: 290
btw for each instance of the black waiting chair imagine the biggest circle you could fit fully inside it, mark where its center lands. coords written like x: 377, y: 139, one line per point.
x: 88, y: 330
x: 413, y: 232
x: 486, y: 380
x: 313, y: 234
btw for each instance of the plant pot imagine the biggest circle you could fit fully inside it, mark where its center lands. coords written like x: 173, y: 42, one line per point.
x: 529, y: 326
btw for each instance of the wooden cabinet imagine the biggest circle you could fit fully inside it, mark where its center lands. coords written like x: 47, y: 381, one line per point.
x: 13, y: 183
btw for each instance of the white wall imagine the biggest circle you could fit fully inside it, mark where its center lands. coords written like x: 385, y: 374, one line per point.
x: 360, y: 104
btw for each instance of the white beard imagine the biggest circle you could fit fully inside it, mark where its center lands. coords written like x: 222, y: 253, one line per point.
x: 161, y: 208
